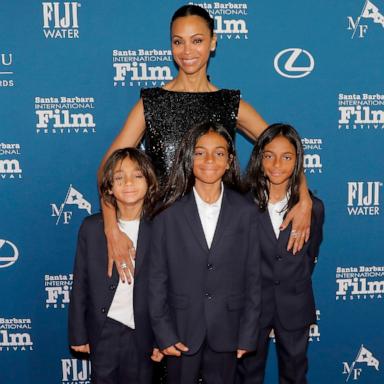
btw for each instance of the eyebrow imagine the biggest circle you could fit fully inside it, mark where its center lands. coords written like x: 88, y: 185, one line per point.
x: 202, y: 147
x: 196, y: 34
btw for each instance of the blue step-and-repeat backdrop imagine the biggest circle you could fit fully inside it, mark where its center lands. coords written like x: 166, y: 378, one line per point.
x: 69, y: 73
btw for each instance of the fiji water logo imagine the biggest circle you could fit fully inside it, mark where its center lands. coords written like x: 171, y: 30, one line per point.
x: 57, y: 289
x: 15, y: 334
x: 364, y: 198
x: 369, y: 12
x: 142, y: 67
x: 61, y: 20
x: 363, y: 360
x: 75, y: 371
x: 63, y: 213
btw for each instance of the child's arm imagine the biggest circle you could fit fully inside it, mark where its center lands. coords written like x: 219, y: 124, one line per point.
x: 77, y: 330
x: 162, y: 324
x: 249, y: 324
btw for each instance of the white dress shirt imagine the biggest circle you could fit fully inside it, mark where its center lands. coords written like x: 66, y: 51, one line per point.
x: 276, y: 213
x: 209, y: 214
x: 121, y: 308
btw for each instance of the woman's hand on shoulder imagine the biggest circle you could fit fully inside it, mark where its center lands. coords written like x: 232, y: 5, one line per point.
x: 249, y: 121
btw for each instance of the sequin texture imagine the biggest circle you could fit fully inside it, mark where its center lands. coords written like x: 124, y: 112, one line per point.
x: 168, y: 115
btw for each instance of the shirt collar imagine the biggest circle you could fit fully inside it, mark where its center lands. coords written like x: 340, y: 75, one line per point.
x: 216, y: 204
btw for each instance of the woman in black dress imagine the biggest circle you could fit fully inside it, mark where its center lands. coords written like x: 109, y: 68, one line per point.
x: 163, y: 115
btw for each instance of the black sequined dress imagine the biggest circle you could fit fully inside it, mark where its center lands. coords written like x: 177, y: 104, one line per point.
x: 169, y: 115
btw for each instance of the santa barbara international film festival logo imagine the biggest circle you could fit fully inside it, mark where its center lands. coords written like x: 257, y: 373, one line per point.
x: 364, y: 198
x: 230, y: 18
x: 312, y: 160
x: 363, y: 360
x: 361, y: 111
x: 358, y: 26
x: 6, y: 70
x: 314, y: 331
x: 15, y: 334
x: 359, y: 283
x: 9, y: 161
x: 61, y: 115
x: 75, y: 371
x: 294, y: 63
x: 61, y: 20
x: 57, y: 288
x: 142, y: 67
x: 64, y: 212
x: 8, y: 253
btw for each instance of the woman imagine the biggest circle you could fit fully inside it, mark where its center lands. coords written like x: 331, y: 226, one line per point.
x: 165, y: 114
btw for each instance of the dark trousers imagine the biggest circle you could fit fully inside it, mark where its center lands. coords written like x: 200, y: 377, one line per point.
x: 116, y: 359
x: 291, y: 348
x: 213, y: 367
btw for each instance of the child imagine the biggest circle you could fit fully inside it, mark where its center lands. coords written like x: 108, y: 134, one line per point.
x: 288, y: 304
x: 108, y: 318
x: 204, y: 285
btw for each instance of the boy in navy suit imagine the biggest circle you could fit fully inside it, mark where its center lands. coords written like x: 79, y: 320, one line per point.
x: 109, y: 318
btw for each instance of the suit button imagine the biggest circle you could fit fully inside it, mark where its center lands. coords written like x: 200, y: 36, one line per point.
x: 208, y: 296
x: 209, y: 267
x: 112, y: 287
x: 103, y: 310
x: 277, y: 282
x: 278, y: 258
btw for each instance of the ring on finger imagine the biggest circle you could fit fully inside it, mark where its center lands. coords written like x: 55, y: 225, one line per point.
x: 123, y: 265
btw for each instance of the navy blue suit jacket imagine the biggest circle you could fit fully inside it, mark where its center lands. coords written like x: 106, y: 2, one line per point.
x: 93, y: 290
x: 196, y: 292
x: 286, y: 278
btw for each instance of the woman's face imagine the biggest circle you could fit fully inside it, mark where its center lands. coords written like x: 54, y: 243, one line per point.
x: 192, y: 43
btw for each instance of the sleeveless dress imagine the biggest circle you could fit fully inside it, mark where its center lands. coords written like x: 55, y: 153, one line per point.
x: 169, y: 115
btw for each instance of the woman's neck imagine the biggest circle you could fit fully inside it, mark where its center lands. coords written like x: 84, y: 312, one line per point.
x: 277, y: 192
x: 209, y: 193
x: 197, y: 82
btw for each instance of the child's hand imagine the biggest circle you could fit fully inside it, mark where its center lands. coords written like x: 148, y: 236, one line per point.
x: 175, y: 350
x: 157, y: 356
x: 241, y: 353
x: 81, y: 348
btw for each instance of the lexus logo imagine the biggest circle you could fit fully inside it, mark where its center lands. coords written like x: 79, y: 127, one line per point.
x: 285, y: 63
x: 8, y: 253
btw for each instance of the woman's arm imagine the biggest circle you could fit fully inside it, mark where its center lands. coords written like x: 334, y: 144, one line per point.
x: 249, y: 121
x: 252, y: 124
x: 120, y: 247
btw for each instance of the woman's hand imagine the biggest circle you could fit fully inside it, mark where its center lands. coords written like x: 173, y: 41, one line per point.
x: 81, y: 348
x: 300, y: 216
x: 121, y: 252
x: 241, y: 353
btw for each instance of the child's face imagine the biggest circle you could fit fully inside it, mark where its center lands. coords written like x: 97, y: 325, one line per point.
x: 211, y: 158
x: 129, y: 184
x: 279, y: 160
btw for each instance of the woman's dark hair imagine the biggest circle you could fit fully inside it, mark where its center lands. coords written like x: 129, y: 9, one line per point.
x: 194, y: 10
x: 257, y: 181
x: 145, y: 166
x: 182, y: 179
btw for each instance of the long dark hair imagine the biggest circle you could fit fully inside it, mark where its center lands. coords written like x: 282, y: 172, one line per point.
x: 145, y: 166
x: 182, y: 179
x: 256, y: 180
x: 194, y: 10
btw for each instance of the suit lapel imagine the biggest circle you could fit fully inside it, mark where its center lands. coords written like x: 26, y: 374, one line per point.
x: 142, y: 245
x: 223, y: 220
x: 266, y: 224
x: 192, y: 215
